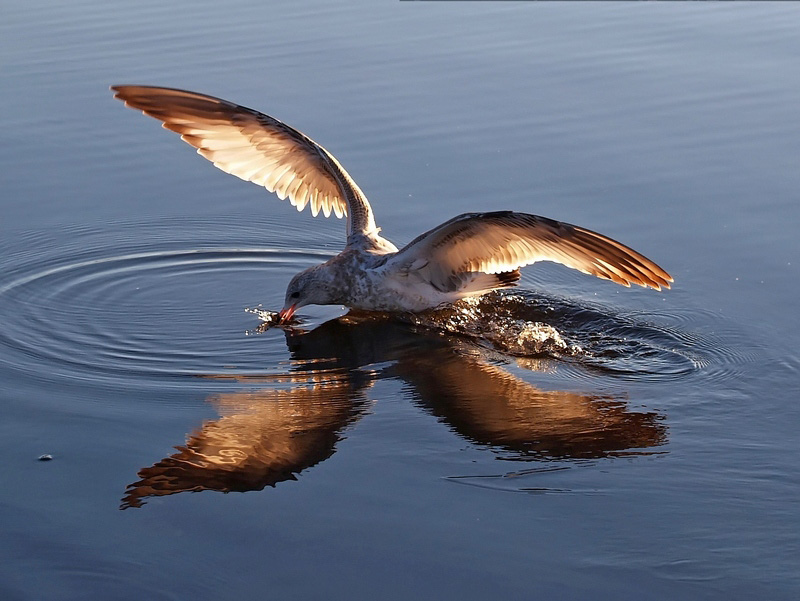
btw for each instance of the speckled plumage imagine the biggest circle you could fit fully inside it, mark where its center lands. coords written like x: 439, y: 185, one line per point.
x: 469, y: 255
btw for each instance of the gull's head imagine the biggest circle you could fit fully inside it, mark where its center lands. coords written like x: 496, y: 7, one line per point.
x: 309, y: 287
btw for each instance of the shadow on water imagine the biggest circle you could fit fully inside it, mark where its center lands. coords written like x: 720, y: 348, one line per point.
x: 269, y: 435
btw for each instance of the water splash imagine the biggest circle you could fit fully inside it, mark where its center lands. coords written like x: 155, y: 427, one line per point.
x: 268, y: 318
x: 532, y: 327
x: 591, y: 338
x: 494, y: 319
x: 490, y: 319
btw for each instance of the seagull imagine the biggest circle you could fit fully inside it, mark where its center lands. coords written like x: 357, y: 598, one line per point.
x: 467, y: 256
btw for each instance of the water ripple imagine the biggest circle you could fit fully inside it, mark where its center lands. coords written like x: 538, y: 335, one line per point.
x: 138, y: 307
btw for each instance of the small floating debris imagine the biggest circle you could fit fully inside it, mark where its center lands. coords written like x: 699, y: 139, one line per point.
x: 45, y: 457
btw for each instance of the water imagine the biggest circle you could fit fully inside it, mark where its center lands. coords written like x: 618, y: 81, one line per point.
x: 570, y: 438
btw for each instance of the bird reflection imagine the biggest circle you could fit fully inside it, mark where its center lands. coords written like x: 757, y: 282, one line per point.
x: 270, y: 435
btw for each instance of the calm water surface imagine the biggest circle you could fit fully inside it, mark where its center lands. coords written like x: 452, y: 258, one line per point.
x: 644, y: 447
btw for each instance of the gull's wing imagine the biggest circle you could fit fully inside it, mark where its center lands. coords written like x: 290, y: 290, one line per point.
x: 257, y: 148
x: 503, y: 241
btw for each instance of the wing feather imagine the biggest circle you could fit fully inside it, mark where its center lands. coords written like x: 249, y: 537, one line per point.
x: 503, y: 241
x: 258, y: 148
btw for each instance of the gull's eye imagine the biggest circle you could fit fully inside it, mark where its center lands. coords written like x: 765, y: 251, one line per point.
x: 294, y: 295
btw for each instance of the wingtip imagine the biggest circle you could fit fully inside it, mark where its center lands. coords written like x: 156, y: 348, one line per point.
x: 119, y: 91
x: 662, y: 284
x: 665, y: 280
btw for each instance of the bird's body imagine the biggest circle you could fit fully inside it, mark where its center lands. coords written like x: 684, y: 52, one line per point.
x: 371, y: 281
x: 467, y: 256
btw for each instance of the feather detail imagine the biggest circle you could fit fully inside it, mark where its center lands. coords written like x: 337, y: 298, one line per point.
x: 258, y: 148
x: 504, y: 241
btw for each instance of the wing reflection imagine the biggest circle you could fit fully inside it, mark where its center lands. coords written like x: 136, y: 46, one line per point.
x: 260, y: 439
x: 268, y: 436
x: 490, y: 406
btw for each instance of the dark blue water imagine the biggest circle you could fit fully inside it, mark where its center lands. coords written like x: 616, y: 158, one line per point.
x: 645, y: 447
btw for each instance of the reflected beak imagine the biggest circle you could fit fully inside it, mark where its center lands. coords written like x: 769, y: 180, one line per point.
x: 286, y: 314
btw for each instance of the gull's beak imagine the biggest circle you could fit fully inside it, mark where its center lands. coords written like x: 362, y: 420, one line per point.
x: 286, y: 313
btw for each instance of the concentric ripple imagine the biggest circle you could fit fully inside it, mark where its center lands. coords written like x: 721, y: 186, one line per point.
x: 154, y: 302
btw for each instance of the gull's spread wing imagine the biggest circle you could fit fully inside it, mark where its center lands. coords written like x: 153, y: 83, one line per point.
x: 257, y: 148
x: 503, y: 241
